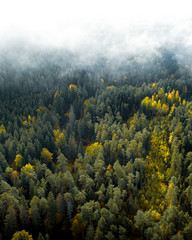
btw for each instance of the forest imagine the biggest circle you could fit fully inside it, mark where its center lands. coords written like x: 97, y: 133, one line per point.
x: 101, y: 151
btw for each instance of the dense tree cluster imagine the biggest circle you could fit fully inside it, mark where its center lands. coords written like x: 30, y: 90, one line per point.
x: 83, y: 157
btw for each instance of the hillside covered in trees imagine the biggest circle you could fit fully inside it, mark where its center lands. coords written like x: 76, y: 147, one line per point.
x: 95, y: 152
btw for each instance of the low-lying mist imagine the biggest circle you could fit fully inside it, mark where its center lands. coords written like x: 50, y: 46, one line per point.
x: 143, y: 51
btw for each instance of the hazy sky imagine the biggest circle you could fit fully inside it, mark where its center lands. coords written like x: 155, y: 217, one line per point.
x: 96, y: 23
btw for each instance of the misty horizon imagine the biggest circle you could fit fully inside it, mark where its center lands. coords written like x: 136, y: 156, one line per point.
x: 104, y: 36
x: 97, y: 29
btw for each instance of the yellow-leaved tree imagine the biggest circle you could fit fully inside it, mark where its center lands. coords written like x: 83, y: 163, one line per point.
x: 60, y: 139
x: 154, y: 187
x: 77, y: 227
x: 94, y: 149
x: 22, y: 235
x: 2, y: 129
x: 46, y: 155
x: 18, y: 160
x: 28, y: 168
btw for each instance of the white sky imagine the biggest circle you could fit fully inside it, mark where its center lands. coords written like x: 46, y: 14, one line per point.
x: 72, y: 22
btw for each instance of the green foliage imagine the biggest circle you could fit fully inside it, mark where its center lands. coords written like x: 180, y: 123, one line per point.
x: 98, y: 159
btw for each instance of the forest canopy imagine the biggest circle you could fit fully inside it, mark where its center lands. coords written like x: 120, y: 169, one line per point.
x: 93, y: 152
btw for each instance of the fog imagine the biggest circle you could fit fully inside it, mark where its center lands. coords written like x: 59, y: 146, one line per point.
x: 94, y: 29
